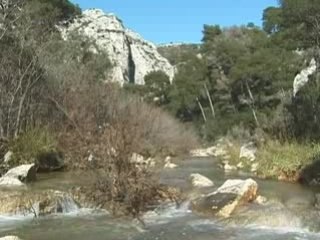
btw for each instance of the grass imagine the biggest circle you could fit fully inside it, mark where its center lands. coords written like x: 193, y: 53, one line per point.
x: 284, y: 161
x: 29, y: 145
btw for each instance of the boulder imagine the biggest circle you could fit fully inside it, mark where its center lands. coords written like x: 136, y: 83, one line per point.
x: 231, y: 195
x: 10, y: 238
x: 10, y: 182
x: 24, y: 173
x: 50, y: 161
x: 309, y: 175
x: 168, y: 164
x: 248, y: 151
x: 198, y: 180
x: 228, y: 168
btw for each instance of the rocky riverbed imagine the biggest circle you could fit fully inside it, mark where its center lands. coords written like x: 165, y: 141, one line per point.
x: 234, y: 206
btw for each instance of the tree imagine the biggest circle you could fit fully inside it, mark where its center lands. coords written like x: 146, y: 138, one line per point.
x: 157, y: 87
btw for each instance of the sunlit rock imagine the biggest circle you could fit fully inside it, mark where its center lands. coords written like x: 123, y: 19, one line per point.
x: 232, y: 194
x: 24, y: 173
x: 198, y: 180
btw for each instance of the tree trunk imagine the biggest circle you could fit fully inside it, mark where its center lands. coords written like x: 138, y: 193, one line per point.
x: 252, y: 106
x: 210, y: 101
x: 202, y: 111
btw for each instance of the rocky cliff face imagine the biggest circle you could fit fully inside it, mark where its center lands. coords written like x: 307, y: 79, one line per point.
x: 132, y: 56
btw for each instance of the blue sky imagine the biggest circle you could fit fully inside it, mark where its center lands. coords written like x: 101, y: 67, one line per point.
x: 164, y: 21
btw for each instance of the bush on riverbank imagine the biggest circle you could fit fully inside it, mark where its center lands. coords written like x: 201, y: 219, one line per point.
x: 28, y: 146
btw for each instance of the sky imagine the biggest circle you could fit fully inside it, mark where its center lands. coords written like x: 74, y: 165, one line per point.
x: 165, y: 21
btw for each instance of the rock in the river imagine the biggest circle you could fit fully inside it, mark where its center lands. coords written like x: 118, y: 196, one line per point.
x: 310, y: 174
x: 228, y: 168
x: 10, y: 238
x: 132, y: 56
x: 50, y: 161
x: 248, y: 151
x: 10, y: 182
x: 169, y: 164
x: 232, y: 194
x: 24, y: 173
x: 198, y: 180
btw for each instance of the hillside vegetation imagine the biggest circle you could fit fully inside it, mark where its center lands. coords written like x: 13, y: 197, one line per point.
x: 243, y: 77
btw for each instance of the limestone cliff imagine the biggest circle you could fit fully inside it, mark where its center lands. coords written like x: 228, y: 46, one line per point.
x: 131, y: 55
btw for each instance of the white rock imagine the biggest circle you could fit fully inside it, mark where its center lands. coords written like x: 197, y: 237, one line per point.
x: 240, y: 165
x: 90, y: 158
x: 125, y: 48
x: 199, y: 153
x: 137, y: 158
x: 7, y: 157
x: 10, y: 238
x: 10, y: 182
x: 227, y: 167
x: 254, y: 167
x: 239, y: 187
x: 199, y: 180
x: 248, y: 151
x: 261, y: 200
x: 169, y: 164
x: 303, y: 77
x: 26, y: 172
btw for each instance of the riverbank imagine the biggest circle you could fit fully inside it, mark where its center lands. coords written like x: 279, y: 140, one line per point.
x: 268, y: 159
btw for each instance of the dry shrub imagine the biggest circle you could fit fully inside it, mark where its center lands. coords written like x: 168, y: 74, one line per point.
x: 111, y: 126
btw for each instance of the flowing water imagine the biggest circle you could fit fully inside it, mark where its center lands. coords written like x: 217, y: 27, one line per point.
x: 288, y: 214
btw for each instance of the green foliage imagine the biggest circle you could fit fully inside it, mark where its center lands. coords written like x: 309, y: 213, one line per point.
x: 157, y: 85
x: 29, y: 145
x: 285, y: 159
x: 186, y: 88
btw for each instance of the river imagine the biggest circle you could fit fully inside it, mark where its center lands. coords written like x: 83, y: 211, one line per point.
x: 288, y: 214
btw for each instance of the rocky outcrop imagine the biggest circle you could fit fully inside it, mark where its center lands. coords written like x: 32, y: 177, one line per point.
x: 24, y: 173
x: 303, y: 77
x: 231, y: 195
x: 198, y: 180
x: 131, y: 55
